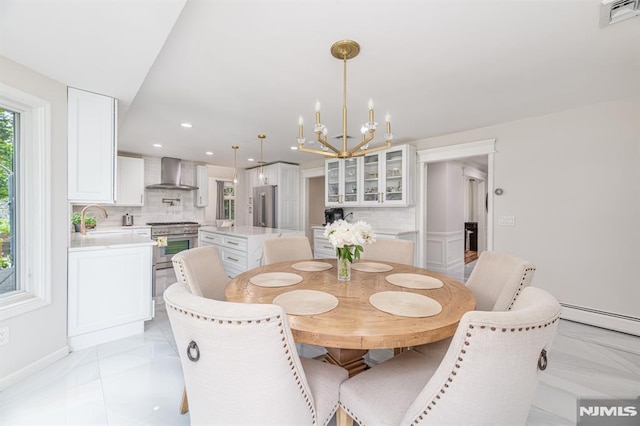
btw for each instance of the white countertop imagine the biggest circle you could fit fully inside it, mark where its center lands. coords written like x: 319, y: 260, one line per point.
x: 245, y: 231
x: 81, y: 242
x: 100, y: 229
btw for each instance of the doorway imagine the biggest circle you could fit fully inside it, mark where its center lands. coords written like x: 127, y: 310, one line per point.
x: 442, y: 247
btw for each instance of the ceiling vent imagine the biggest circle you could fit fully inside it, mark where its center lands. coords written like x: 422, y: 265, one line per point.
x: 614, y: 11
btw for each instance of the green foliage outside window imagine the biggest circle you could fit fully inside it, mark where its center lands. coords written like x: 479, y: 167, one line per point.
x: 7, y: 133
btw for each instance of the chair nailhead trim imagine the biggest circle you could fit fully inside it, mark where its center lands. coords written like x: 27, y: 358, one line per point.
x: 460, y: 358
x: 295, y: 374
x: 521, y: 285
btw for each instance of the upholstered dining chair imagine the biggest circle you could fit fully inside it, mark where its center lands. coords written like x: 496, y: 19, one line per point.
x: 489, y: 374
x: 496, y: 282
x: 283, y: 249
x: 391, y: 250
x: 201, y: 270
x: 241, y: 367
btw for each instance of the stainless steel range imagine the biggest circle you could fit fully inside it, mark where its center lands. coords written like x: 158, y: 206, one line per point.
x: 180, y: 236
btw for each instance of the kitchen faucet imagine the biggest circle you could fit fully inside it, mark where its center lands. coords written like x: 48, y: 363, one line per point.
x: 83, y: 228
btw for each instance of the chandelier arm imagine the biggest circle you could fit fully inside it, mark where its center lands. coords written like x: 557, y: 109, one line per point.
x: 363, y: 142
x: 369, y: 151
x: 317, y: 151
x: 327, y: 144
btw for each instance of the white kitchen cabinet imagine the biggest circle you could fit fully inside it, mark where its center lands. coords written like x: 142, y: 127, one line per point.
x: 109, y: 292
x: 288, y: 196
x: 240, y: 247
x: 388, y: 177
x: 244, y: 200
x: 130, y: 181
x: 343, y: 179
x: 202, y: 182
x: 91, y: 147
x: 322, y: 248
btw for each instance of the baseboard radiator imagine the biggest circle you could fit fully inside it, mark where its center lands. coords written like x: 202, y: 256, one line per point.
x: 608, y: 320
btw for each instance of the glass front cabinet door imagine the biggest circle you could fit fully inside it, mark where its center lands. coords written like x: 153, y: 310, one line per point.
x: 342, y: 182
x: 371, y: 179
x: 332, y: 185
x: 388, y: 177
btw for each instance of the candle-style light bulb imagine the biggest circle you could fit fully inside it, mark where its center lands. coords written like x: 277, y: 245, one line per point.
x: 300, y: 120
x: 370, y: 104
x: 387, y: 118
x: 317, y: 105
x: 235, y: 180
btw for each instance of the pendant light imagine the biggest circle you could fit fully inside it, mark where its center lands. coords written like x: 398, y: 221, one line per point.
x: 235, y: 167
x: 261, y: 174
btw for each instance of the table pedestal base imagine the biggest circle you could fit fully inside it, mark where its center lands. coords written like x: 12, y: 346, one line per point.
x: 350, y: 359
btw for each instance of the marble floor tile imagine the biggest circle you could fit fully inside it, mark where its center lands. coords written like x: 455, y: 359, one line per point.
x: 138, y: 380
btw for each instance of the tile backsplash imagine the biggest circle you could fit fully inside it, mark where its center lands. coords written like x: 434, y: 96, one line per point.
x: 154, y: 210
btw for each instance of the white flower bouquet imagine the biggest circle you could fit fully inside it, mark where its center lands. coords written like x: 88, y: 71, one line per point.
x: 348, y: 238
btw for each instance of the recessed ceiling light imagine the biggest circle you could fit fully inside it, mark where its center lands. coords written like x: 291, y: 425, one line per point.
x: 250, y: 159
x: 157, y: 145
x: 293, y: 148
x: 187, y: 125
x: 209, y: 153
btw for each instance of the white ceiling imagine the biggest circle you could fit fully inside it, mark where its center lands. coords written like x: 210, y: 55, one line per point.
x: 236, y: 68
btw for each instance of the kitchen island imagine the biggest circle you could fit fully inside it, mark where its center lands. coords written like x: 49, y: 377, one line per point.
x: 109, y: 287
x: 240, y: 247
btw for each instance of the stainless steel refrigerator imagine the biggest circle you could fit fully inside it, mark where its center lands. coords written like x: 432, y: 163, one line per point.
x: 264, y: 206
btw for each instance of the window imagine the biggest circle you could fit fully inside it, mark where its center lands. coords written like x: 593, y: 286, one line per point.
x: 229, y: 201
x: 8, y: 141
x: 26, y: 121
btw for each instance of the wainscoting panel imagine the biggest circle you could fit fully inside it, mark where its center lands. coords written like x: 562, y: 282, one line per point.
x: 445, y: 251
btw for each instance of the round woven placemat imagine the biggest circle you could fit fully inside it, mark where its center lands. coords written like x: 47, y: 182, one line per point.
x: 405, y: 304
x: 306, y: 302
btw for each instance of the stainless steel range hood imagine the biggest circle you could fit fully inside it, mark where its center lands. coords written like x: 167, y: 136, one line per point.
x: 170, y: 174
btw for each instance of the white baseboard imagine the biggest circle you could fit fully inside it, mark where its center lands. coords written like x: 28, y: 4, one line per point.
x: 110, y: 334
x: 33, y: 368
x: 601, y: 319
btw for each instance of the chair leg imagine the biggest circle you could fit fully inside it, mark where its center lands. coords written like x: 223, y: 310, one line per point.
x: 184, y: 405
x: 342, y: 418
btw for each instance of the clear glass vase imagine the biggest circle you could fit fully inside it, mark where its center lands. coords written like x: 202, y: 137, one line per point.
x: 344, y: 269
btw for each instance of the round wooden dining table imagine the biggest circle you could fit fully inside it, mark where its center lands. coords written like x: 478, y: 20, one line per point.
x: 353, y: 327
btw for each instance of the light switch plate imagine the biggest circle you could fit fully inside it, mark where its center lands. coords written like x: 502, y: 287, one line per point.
x: 507, y: 220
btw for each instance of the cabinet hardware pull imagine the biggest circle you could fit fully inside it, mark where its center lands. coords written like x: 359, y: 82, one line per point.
x: 233, y: 242
x: 232, y: 258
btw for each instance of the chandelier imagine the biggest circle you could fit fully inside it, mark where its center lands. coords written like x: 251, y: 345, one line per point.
x: 344, y: 50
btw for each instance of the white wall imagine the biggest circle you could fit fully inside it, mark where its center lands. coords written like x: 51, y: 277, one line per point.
x: 37, y: 335
x: 445, y: 221
x: 572, y: 182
